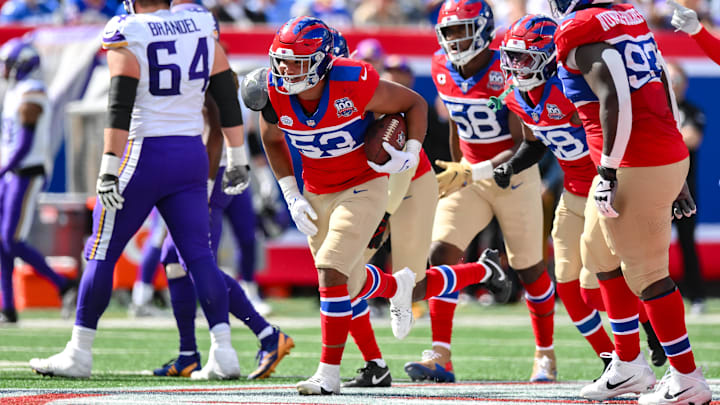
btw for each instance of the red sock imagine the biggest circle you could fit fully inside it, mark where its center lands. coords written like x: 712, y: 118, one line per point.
x: 667, y: 315
x: 377, y: 284
x: 622, y: 310
x: 593, y: 298
x: 586, y: 319
x: 540, y: 300
x: 442, y: 311
x: 362, y: 332
x: 443, y: 280
x: 335, y: 315
x: 642, y: 313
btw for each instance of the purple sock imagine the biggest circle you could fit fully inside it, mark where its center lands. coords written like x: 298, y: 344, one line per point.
x: 184, y: 304
x: 94, y: 292
x: 37, y: 261
x: 149, y: 263
x: 241, y: 307
x: 6, y: 270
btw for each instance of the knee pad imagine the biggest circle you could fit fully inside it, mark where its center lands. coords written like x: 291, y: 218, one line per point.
x: 174, y: 271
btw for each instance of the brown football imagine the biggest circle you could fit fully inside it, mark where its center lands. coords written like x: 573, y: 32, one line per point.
x: 391, y: 129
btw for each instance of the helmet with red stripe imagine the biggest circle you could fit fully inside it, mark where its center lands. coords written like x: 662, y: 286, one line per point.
x: 527, y: 52
x: 300, y: 54
x: 464, y: 20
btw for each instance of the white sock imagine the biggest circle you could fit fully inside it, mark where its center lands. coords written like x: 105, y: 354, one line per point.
x: 188, y: 353
x: 220, y: 334
x: 142, y: 293
x: 82, y: 338
x: 380, y: 362
x: 328, y: 370
x: 265, y: 332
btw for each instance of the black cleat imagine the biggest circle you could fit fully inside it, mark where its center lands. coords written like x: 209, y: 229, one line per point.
x: 655, y: 349
x: 499, y: 284
x: 371, y: 375
x: 8, y: 316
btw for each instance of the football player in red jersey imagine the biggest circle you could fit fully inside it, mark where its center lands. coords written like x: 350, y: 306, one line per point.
x: 467, y: 73
x: 551, y: 122
x: 613, y: 72
x: 686, y: 20
x: 324, y: 105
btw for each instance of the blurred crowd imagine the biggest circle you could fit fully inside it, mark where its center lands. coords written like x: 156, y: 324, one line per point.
x: 336, y: 13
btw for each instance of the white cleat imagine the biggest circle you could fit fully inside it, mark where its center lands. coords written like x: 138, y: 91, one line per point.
x: 678, y: 388
x: 401, y: 317
x: 621, y: 377
x: 222, y: 364
x: 319, y: 385
x: 71, y: 362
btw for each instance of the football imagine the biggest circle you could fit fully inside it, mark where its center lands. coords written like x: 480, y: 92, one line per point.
x: 392, y: 129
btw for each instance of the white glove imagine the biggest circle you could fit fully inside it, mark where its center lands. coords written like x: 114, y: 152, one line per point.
x: 300, y: 209
x: 400, y: 160
x: 107, y: 186
x: 605, y: 192
x: 684, y: 19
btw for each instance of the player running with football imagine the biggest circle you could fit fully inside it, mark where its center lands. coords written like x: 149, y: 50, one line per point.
x: 612, y: 71
x: 467, y: 73
x: 160, y: 65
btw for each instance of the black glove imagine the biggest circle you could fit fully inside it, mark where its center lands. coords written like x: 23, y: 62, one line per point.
x: 684, y: 205
x: 502, y: 174
x: 377, y: 237
x: 236, y: 179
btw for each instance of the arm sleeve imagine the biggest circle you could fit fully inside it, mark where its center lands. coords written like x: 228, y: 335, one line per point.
x: 529, y: 153
x: 709, y: 44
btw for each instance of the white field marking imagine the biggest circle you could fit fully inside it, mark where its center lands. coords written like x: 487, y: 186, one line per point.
x: 400, y: 393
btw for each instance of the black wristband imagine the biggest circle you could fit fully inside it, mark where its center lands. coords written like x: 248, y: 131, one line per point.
x: 607, y: 173
x: 224, y: 91
x: 121, y: 99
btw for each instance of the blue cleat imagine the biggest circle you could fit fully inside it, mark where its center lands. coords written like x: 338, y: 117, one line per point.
x: 269, y: 357
x: 182, y: 366
x: 429, y: 367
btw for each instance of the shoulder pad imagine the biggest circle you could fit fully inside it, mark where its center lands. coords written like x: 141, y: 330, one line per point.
x: 115, y: 35
x: 253, y: 89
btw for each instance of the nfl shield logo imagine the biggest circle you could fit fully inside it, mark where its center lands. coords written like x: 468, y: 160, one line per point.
x: 535, y: 116
x: 310, y: 123
x: 464, y: 87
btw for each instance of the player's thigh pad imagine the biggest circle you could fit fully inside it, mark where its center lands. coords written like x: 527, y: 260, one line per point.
x: 588, y: 279
x: 518, y: 209
x: 641, y: 234
x: 567, y: 228
x: 597, y: 255
x: 412, y: 224
x: 346, y: 222
x: 462, y: 214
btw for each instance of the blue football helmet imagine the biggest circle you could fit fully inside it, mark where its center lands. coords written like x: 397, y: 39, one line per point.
x: 561, y: 8
x: 18, y: 59
x: 527, y: 52
x: 340, y: 48
x: 476, y: 17
x: 304, y: 40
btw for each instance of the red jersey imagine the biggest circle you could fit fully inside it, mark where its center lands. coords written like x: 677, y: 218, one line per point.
x: 549, y: 119
x: 483, y: 132
x: 654, y: 138
x: 331, y: 139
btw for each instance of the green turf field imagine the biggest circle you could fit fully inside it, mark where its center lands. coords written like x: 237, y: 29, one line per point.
x: 489, y: 343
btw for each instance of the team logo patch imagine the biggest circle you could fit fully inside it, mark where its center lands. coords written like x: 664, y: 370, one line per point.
x: 287, y: 121
x: 440, y: 78
x: 344, y: 107
x: 310, y: 123
x: 496, y: 80
x: 554, y: 112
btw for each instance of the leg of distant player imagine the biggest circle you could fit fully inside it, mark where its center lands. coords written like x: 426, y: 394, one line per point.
x: 143, y: 289
x: 568, y: 226
x: 243, y: 220
x: 19, y: 199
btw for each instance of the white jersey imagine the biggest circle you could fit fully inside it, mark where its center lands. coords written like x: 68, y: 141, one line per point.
x: 11, y: 126
x: 175, y: 51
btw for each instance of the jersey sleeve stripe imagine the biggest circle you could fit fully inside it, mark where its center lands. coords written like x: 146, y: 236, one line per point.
x: 113, y: 45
